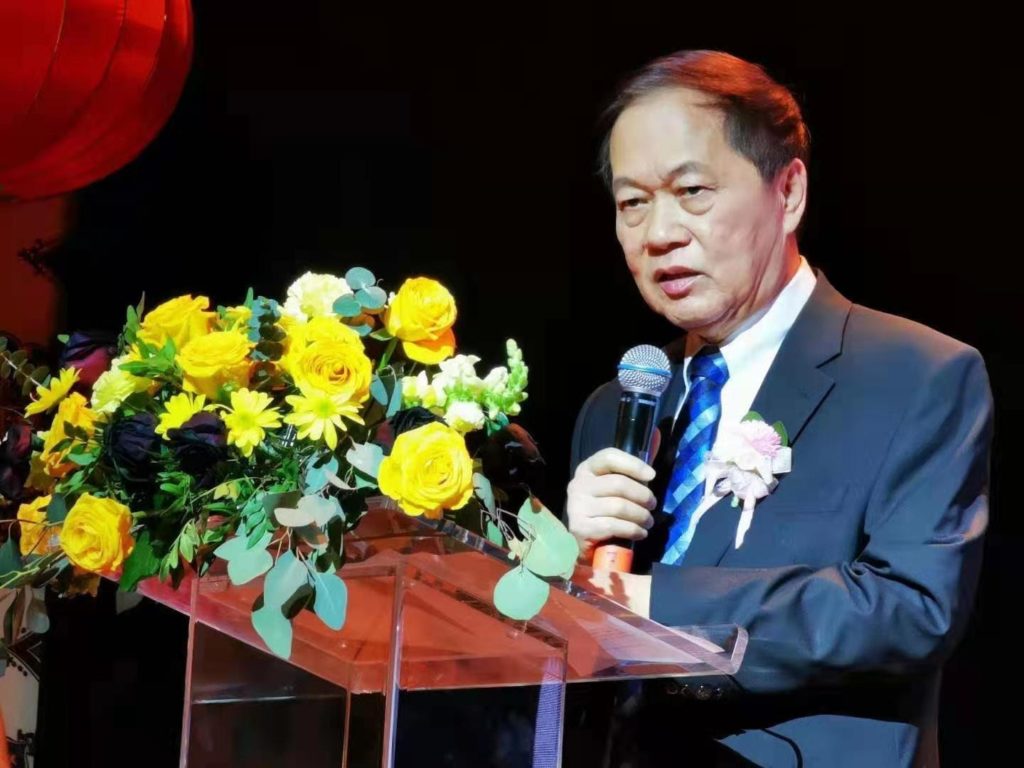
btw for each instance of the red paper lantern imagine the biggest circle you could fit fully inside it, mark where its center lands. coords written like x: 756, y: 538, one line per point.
x: 90, y: 85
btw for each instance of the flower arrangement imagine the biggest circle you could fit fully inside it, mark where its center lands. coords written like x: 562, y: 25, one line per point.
x: 256, y: 433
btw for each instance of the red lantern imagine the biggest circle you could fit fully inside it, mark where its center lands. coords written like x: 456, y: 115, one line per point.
x: 104, y: 77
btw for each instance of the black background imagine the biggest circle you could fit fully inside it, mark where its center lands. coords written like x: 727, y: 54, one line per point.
x: 463, y: 147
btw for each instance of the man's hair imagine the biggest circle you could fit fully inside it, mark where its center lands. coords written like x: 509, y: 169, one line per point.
x: 762, y: 118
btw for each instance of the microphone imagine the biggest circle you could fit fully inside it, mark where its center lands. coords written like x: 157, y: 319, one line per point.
x: 644, y: 373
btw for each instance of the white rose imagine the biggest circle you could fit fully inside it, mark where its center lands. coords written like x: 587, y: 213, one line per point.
x: 464, y: 417
x: 313, y: 295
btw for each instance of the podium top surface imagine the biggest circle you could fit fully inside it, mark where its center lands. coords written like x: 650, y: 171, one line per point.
x: 420, y: 601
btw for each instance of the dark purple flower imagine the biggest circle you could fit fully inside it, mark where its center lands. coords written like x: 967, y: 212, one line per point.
x: 15, y: 451
x: 90, y: 353
x: 199, y: 445
x: 132, y: 445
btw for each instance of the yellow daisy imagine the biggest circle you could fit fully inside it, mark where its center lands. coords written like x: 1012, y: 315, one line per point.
x: 178, y: 410
x: 319, y: 416
x: 48, y: 397
x: 248, y: 419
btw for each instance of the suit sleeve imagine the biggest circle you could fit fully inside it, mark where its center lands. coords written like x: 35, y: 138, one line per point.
x: 903, y: 602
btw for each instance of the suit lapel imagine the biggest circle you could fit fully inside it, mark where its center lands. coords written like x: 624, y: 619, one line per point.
x: 792, y: 391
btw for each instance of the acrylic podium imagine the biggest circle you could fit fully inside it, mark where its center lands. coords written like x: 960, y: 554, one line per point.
x: 422, y: 640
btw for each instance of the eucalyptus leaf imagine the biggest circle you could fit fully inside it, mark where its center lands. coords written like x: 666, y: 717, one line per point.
x: 318, y: 475
x: 484, y: 491
x: 322, y: 510
x: 553, y: 551
x: 366, y: 458
x: 348, y: 306
x: 520, y: 595
x: 379, y: 391
x: 10, y: 559
x: 331, y: 599
x: 57, y: 510
x: 372, y: 298
x: 274, y: 629
x: 288, y: 574
x: 249, y: 565
x: 293, y: 517
x: 359, y: 277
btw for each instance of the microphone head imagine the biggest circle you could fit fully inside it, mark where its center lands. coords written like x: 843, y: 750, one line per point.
x: 645, y: 369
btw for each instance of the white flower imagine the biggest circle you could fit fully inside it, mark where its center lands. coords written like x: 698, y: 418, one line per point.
x: 497, y: 379
x: 460, y: 367
x: 313, y: 295
x: 464, y: 417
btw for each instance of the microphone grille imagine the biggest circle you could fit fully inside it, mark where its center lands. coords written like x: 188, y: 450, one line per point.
x: 646, y: 369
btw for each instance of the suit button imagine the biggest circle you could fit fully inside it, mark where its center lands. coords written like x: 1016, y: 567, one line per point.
x: 672, y: 688
x: 703, y: 693
x: 685, y: 689
x: 719, y: 692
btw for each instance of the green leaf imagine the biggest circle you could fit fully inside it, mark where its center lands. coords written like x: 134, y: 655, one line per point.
x: 379, y: 391
x: 248, y: 298
x: 381, y: 334
x: 366, y: 458
x: 553, y: 551
x: 187, y: 545
x: 318, y: 474
x: 275, y: 630
x: 331, y: 599
x: 82, y: 459
x: 372, y: 298
x: 140, y: 564
x: 359, y: 277
x: 63, y: 338
x: 778, y: 427
x: 484, y: 491
x: 288, y: 574
x: 10, y: 559
x: 520, y: 595
x: 348, y: 306
x: 57, y: 510
x: 753, y: 416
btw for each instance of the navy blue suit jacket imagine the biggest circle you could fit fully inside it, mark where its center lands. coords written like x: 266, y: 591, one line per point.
x: 859, y: 571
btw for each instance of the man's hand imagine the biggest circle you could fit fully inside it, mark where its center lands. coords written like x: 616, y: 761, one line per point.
x: 608, y: 498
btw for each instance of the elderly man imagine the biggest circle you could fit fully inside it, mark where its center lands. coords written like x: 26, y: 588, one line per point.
x: 855, y: 575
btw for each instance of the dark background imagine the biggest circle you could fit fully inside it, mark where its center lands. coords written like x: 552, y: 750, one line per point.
x: 463, y: 147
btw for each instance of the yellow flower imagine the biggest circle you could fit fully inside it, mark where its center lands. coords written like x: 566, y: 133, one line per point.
x: 115, y: 386
x: 181, y: 319
x: 37, y: 537
x: 249, y: 418
x: 319, y: 416
x: 211, y: 361
x: 47, y: 397
x: 422, y: 315
x: 334, y: 368
x: 302, y: 334
x: 39, y: 476
x: 97, y: 534
x: 314, y: 295
x: 429, y: 470
x: 75, y: 412
x: 178, y: 410
x: 236, y: 317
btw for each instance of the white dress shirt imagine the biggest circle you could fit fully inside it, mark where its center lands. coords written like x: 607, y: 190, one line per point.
x: 749, y: 352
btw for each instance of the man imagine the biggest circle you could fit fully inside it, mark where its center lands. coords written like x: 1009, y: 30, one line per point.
x: 857, y: 572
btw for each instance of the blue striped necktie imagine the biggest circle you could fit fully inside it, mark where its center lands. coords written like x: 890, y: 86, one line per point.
x: 703, y: 410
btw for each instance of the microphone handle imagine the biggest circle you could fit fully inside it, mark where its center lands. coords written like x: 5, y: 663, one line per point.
x: 633, y: 431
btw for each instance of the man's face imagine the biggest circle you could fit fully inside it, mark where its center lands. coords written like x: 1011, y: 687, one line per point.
x: 703, y: 234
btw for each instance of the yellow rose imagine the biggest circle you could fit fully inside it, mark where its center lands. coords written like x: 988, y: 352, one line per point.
x: 73, y: 411
x: 97, y: 534
x: 181, y: 319
x: 213, y: 360
x: 429, y: 470
x: 302, y: 334
x: 422, y: 315
x: 37, y: 538
x: 334, y: 368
